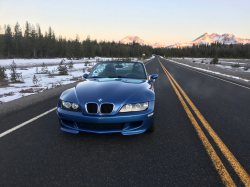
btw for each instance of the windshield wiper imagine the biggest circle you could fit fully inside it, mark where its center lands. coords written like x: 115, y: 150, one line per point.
x: 96, y: 77
x: 112, y: 77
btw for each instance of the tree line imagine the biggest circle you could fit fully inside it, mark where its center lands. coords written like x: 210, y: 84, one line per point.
x: 204, y: 51
x: 32, y: 43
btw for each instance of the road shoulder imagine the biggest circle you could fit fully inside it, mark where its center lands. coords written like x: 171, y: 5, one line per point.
x: 220, y: 76
x: 24, y: 102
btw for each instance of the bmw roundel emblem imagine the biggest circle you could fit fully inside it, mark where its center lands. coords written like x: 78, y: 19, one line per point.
x: 100, y: 100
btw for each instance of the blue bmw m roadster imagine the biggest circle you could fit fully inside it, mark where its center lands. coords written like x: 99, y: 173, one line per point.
x: 115, y: 97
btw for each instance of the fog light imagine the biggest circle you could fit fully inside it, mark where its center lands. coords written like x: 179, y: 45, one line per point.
x: 151, y: 114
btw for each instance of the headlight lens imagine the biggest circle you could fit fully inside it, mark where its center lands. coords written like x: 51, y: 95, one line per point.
x: 66, y: 104
x: 134, y: 107
x: 128, y: 107
x: 70, y: 106
x: 74, y: 106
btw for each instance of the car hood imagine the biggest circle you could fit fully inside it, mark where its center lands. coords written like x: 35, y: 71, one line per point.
x: 116, y: 91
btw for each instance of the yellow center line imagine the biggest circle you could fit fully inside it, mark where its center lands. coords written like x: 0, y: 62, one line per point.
x: 226, y: 178
x: 226, y: 152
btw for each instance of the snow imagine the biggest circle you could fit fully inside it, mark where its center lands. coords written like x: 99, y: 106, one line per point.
x: 136, y: 39
x: 214, y: 37
x: 214, y: 72
x: 37, y: 62
x: 131, y: 38
x: 12, y: 91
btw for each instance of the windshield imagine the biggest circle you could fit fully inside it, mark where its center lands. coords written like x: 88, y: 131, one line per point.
x: 118, y: 70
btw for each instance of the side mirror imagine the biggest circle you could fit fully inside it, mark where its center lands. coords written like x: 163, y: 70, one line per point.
x: 85, y: 75
x: 154, y: 76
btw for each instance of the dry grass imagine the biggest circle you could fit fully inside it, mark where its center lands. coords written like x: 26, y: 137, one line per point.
x: 4, y: 83
x: 7, y: 94
x: 76, y: 78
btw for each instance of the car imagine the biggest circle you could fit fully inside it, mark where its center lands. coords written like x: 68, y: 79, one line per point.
x: 115, y: 97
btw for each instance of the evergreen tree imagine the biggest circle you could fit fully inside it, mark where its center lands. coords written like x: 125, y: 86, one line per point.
x: 77, y: 48
x: 14, y: 76
x: 17, y: 41
x: 33, y: 42
x: 35, y: 80
x: 2, y: 46
x: 215, y: 60
x: 27, y: 41
x: 44, y: 68
x: 62, y: 68
x: 2, y: 73
x: 70, y: 64
x: 8, y: 42
x: 88, y: 48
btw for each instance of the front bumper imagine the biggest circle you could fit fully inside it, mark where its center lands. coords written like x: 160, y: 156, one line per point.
x: 69, y: 121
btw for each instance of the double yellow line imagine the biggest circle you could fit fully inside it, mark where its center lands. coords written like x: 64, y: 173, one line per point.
x: 226, y: 178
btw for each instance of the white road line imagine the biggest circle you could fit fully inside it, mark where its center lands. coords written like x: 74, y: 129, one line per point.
x: 207, y: 74
x: 25, y: 123
x: 149, y: 61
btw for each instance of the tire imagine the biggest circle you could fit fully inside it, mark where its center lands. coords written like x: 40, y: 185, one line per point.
x: 151, y: 128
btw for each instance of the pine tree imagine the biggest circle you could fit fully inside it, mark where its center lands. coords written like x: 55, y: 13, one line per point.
x: 2, y: 46
x: 70, y: 64
x: 62, y: 68
x: 8, y: 42
x: 215, y: 60
x: 17, y: 48
x: 27, y: 41
x: 50, y: 75
x: 2, y: 73
x: 77, y: 48
x: 44, y: 68
x: 39, y: 42
x: 35, y: 80
x: 88, y: 48
x: 33, y: 42
x: 14, y: 76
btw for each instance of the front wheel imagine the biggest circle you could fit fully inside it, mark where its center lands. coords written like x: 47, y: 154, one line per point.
x: 152, y: 127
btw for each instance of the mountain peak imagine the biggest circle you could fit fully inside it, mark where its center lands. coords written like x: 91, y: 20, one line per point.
x: 204, y: 35
x: 132, y: 38
x: 213, y: 38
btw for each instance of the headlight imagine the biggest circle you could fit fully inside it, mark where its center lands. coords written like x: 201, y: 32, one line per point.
x: 134, y: 107
x: 70, y: 106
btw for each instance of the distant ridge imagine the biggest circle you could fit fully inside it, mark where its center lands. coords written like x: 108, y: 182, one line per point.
x: 203, y: 39
x: 131, y: 38
x: 212, y: 38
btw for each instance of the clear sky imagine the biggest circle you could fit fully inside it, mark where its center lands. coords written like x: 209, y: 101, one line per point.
x: 164, y: 21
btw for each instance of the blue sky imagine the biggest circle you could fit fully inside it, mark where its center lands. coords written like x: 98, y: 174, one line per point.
x: 164, y: 21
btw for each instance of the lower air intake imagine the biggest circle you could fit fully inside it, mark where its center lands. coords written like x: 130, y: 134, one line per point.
x: 101, y: 126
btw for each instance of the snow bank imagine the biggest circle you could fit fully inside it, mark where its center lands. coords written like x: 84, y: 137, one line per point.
x: 15, y: 90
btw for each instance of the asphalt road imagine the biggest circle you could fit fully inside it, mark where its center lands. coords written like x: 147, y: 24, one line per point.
x: 40, y: 154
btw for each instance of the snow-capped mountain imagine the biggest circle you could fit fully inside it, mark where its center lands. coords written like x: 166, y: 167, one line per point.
x: 136, y: 39
x: 208, y: 39
x: 158, y: 45
x: 130, y: 39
